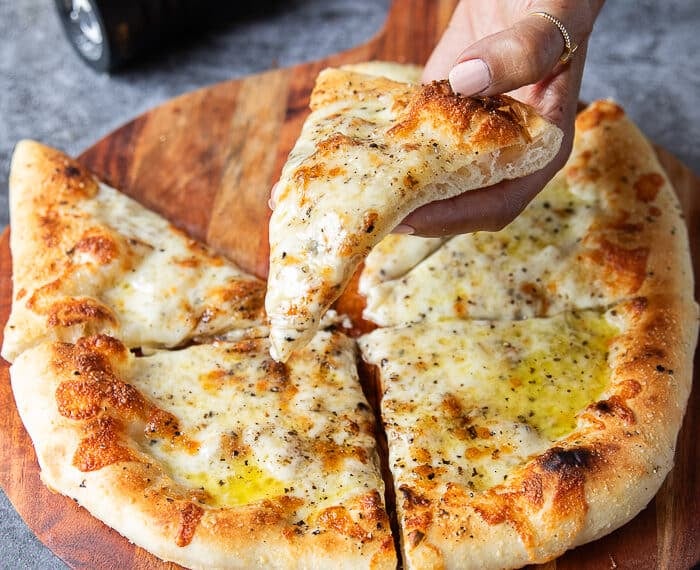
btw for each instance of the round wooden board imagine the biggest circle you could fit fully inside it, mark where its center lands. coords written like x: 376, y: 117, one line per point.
x: 206, y: 161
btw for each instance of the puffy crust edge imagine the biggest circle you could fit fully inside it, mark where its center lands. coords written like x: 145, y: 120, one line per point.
x: 41, y: 178
x: 155, y: 512
x: 589, y: 483
x: 642, y: 211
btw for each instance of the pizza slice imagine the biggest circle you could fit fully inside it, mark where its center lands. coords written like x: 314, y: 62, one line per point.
x: 513, y: 441
x: 372, y: 151
x: 89, y: 259
x: 213, y: 456
x: 607, y: 227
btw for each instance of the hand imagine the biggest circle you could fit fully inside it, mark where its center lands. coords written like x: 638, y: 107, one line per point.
x: 499, y: 46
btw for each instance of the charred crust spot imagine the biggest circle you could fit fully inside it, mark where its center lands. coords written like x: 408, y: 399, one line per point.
x: 190, y: 515
x: 639, y: 305
x: 413, y: 498
x: 560, y: 460
x: 369, y: 221
x: 74, y: 178
x: 70, y: 312
x: 647, y: 186
x: 615, y: 406
x: 72, y: 171
x: 415, y: 537
x: 597, y: 113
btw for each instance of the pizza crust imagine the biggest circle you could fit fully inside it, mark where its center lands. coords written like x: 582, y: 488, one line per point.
x: 576, y: 488
x: 606, y: 228
x: 87, y: 259
x: 135, y: 441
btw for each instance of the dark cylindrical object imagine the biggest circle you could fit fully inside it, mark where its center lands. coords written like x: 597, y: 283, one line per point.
x: 109, y: 33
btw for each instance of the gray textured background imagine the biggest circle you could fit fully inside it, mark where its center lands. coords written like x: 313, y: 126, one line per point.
x: 643, y: 53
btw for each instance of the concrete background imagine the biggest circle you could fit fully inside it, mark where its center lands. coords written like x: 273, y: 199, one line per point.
x: 644, y: 54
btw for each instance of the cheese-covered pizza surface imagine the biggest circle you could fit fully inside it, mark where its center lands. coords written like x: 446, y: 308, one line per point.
x: 213, y: 456
x: 534, y: 379
x: 371, y: 151
x: 520, y: 393
x: 87, y: 259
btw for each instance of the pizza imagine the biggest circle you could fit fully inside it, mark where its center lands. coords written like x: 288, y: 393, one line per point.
x: 371, y: 151
x: 89, y: 259
x: 141, y: 369
x: 533, y: 380
x: 513, y: 441
x: 606, y: 227
x: 520, y: 394
x: 213, y: 456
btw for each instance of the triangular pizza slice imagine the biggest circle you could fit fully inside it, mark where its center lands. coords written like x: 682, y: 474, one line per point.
x: 87, y: 258
x: 372, y: 151
x: 606, y: 228
x: 513, y: 441
x: 213, y: 456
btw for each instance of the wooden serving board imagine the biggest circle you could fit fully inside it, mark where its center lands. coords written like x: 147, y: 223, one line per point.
x: 206, y: 161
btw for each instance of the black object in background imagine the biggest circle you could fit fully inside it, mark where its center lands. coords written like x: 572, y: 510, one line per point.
x: 107, y: 34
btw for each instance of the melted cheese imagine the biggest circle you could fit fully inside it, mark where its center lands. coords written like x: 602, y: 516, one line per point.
x: 371, y: 151
x: 263, y: 429
x: 530, y: 268
x: 467, y: 401
x: 244, y: 483
x: 165, y: 288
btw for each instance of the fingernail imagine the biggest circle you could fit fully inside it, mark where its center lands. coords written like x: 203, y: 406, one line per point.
x: 470, y: 77
x: 404, y: 229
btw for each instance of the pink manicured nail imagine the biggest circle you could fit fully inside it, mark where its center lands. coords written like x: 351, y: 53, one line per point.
x: 273, y: 194
x: 470, y: 77
x: 403, y: 229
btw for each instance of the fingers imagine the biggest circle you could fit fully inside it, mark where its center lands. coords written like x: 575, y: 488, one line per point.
x: 524, y: 50
x: 272, y: 201
x: 517, y: 56
x: 451, y: 44
x: 486, y: 209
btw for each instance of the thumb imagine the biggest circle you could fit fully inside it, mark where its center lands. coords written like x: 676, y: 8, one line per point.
x: 523, y: 54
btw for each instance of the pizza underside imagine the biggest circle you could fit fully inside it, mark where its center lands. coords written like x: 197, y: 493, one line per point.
x: 530, y: 383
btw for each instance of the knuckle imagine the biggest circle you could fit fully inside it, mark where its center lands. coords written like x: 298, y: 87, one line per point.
x: 528, y: 61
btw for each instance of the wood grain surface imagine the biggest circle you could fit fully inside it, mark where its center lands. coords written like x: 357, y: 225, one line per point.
x: 206, y: 161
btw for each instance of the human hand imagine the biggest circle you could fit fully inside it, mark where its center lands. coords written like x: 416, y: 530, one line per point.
x: 502, y: 46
